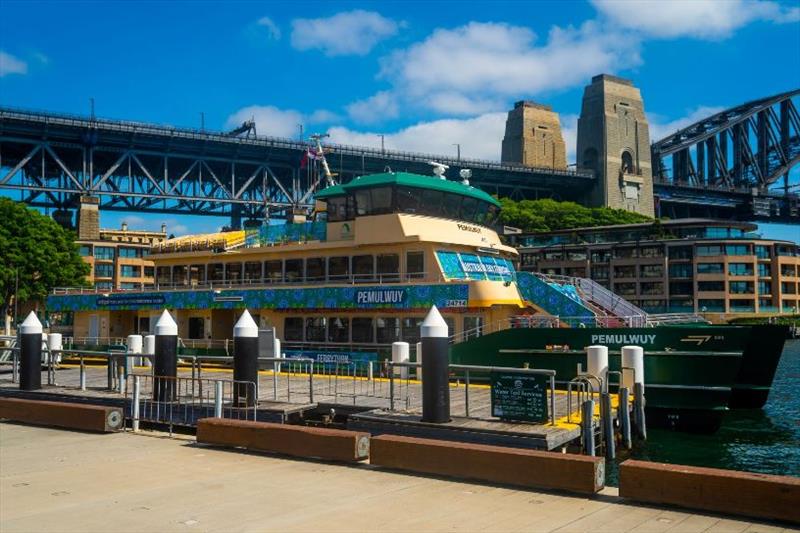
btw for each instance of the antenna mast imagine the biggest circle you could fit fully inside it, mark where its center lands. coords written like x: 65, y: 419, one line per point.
x: 321, y: 156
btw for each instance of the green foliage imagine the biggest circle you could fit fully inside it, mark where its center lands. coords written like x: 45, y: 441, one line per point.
x: 550, y: 215
x: 38, y: 250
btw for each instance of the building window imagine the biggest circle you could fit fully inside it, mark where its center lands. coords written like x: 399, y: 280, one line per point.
x: 680, y: 270
x: 706, y: 251
x: 293, y: 328
x: 681, y: 305
x: 652, y: 287
x: 789, y: 288
x: 164, y: 274
x: 411, y: 333
x: 415, y: 265
x: 625, y: 289
x: 599, y: 272
x: 680, y: 252
x: 765, y: 304
x: 553, y: 256
x: 627, y: 271
x: 149, y: 271
x: 601, y: 256
x: 740, y: 269
x: 651, y: 251
x: 128, y: 286
x: 387, y: 330
x: 710, y: 268
x: 762, y: 252
x: 737, y: 249
x: 103, y: 285
x: 742, y: 306
x: 788, y: 270
x: 85, y: 250
x: 764, y: 287
x: 338, y: 329
x: 363, y: 330
x: 681, y: 288
x: 316, y: 329
x: 338, y: 268
x: 652, y: 271
x: 764, y: 270
x: 575, y: 272
x: 625, y: 253
x: 103, y: 252
x: 627, y: 163
x: 130, y: 271
x: 711, y: 286
x: 740, y: 287
x: 130, y: 252
x: 576, y: 255
x: 711, y: 306
x: 103, y: 270
x: 784, y: 251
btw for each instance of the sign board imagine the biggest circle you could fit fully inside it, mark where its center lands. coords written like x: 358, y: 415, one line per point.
x: 518, y: 396
x: 334, y: 358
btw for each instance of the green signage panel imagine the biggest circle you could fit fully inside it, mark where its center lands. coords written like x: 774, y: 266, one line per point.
x: 517, y: 396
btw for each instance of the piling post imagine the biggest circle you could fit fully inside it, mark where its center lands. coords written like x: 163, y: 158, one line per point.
x: 110, y: 370
x: 435, y: 386
x: 121, y: 379
x: 400, y: 355
x: 135, y: 344
x: 30, y: 368
x: 597, y: 364
x: 638, y: 403
x: 608, y: 426
x: 166, y: 355
x: 148, y: 348
x: 137, y: 391
x: 217, y: 399
x: 245, y: 359
x: 587, y: 426
x: 419, y: 360
x: 624, y: 414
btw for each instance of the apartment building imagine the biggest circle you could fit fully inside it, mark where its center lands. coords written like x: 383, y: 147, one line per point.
x: 686, y: 265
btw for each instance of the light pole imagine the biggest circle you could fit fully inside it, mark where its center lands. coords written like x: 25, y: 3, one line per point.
x: 202, y: 121
x: 301, y: 131
x: 381, y: 135
x: 458, y: 148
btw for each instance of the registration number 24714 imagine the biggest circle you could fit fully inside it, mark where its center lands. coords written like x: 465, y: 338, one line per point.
x: 455, y: 303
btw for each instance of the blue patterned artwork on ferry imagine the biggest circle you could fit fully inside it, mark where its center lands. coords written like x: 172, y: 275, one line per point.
x: 475, y: 267
x: 554, y: 301
x: 360, y: 297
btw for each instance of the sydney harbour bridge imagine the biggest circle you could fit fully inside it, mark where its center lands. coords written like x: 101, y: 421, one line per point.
x: 734, y: 164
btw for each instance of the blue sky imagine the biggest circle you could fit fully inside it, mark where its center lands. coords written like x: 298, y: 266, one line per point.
x: 424, y: 74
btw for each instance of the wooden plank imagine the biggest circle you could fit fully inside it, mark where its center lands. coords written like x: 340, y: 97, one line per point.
x: 63, y: 415
x: 496, y: 464
x: 712, y: 489
x: 297, y: 441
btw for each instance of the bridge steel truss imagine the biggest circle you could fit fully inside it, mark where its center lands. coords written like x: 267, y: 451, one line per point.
x: 738, y: 158
x: 54, y: 159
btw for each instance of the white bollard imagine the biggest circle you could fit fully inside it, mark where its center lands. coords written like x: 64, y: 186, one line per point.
x: 419, y: 360
x: 400, y: 355
x: 597, y: 363
x: 149, y: 348
x: 632, y: 357
x: 134, y: 347
x: 54, y: 343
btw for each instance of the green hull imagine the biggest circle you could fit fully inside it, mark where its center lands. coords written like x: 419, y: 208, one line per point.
x: 692, y: 373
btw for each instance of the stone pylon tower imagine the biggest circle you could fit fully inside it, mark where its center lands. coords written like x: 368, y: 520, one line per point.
x: 614, y: 142
x: 533, y: 137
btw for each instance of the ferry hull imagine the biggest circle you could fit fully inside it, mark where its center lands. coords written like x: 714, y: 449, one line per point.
x: 760, y: 360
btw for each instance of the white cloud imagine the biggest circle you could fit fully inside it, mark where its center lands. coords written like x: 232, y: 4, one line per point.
x: 660, y: 129
x: 348, y: 33
x: 703, y: 19
x: 569, y: 131
x: 270, y: 28
x: 380, y: 106
x: 477, y: 67
x: 269, y: 120
x: 321, y: 116
x: 480, y: 137
x: 11, y: 65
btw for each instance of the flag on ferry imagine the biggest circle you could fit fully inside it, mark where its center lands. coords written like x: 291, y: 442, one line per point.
x: 310, y: 154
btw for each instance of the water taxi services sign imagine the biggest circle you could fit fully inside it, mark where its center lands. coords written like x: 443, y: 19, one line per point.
x: 517, y: 396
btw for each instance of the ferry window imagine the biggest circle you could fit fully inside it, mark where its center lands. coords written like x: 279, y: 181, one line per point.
x: 363, y: 267
x: 197, y: 274
x: 215, y: 272
x: 473, y: 327
x: 468, y: 208
x: 103, y: 270
x: 179, y: 274
x: 293, y: 328
x: 338, y: 268
x: 315, y: 269
x: 408, y: 200
x: 163, y: 274
x: 363, y: 330
x: 337, y: 209
x: 363, y: 202
x: 491, y: 216
x: 381, y: 200
x: 452, y: 203
x: 104, y: 252
x: 387, y: 330
x: 273, y: 271
x: 315, y: 329
x: 415, y: 265
x: 252, y: 270
x: 85, y: 250
x: 482, y: 212
x: 451, y: 325
x: 338, y: 329
x: 432, y: 202
x: 233, y: 272
x: 294, y: 270
x: 411, y: 327
x: 389, y: 267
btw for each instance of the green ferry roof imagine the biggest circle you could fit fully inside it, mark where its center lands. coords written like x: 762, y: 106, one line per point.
x: 406, y: 179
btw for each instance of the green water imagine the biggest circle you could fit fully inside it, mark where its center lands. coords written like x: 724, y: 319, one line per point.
x: 754, y: 440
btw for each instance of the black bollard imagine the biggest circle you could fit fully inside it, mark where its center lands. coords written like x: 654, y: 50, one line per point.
x: 435, y: 371
x: 165, y: 368
x: 30, y: 361
x: 245, y: 360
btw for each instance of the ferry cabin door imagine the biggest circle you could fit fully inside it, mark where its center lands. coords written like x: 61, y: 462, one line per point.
x: 144, y: 325
x: 94, y: 329
x: 196, y: 327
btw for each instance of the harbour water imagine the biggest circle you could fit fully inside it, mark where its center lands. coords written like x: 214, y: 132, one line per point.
x: 759, y: 440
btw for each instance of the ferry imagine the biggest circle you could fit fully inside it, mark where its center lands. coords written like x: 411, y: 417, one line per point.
x: 378, y: 252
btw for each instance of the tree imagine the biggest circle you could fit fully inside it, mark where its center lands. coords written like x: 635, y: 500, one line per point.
x: 35, y: 252
x: 550, y: 215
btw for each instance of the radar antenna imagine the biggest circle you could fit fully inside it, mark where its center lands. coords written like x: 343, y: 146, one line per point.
x: 439, y: 169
